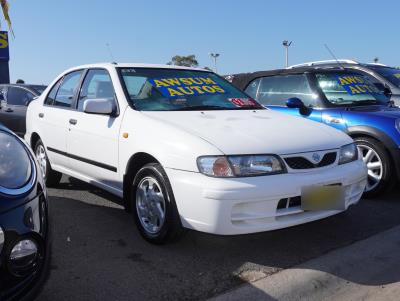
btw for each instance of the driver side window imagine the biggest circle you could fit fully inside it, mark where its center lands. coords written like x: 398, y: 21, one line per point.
x: 97, y: 85
x: 276, y: 90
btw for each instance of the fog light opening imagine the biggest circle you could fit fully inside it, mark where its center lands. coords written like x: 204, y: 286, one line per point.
x: 24, y: 257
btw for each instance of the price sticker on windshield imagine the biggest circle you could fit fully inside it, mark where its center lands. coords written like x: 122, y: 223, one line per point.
x: 179, y: 87
x: 356, y: 84
x: 244, y: 102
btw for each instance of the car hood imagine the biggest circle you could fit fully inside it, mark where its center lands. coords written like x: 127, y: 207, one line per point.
x: 254, y: 132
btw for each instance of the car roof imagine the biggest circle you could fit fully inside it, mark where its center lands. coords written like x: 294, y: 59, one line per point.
x: 241, y: 80
x: 133, y: 65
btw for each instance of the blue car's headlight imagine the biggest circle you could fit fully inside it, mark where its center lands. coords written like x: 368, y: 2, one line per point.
x: 16, y: 166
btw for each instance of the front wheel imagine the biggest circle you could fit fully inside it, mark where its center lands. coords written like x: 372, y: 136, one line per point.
x: 51, y: 177
x: 153, y: 205
x: 378, y: 162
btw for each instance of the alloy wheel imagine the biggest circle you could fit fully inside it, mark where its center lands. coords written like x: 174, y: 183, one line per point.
x: 150, y: 205
x: 374, y: 164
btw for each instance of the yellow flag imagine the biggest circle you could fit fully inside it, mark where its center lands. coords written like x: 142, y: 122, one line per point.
x: 5, y: 7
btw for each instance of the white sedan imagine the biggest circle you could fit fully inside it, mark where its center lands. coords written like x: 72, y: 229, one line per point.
x: 186, y: 149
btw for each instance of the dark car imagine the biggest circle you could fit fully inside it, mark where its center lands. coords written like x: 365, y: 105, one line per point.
x: 346, y: 98
x: 14, y: 99
x: 24, y: 225
x: 387, y: 76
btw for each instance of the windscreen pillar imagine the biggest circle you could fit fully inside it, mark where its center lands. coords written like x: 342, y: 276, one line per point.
x: 4, y: 58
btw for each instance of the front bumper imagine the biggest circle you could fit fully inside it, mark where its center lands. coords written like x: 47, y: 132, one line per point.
x: 28, y: 221
x: 248, y: 205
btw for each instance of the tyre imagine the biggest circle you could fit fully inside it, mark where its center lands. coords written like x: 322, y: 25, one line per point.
x: 379, y: 166
x: 52, y: 178
x: 153, y: 205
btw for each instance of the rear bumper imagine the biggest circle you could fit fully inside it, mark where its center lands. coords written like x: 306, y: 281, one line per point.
x: 249, y: 205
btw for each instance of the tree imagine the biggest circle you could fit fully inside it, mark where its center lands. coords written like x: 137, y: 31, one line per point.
x: 5, y: 7
x: 181, y: 60
x: 20, y: 81
x: 207, y: 68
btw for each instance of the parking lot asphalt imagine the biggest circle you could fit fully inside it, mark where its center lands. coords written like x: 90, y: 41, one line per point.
x: 98, y: 253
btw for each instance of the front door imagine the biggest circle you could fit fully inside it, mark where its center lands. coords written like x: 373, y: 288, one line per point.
x: 92, y: 142
x: 13, y: 109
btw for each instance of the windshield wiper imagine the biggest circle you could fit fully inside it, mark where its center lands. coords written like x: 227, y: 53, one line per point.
x: 365, y: 102
x: 199, y: 108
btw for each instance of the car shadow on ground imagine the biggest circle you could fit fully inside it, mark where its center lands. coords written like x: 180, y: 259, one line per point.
x: 99, y: 254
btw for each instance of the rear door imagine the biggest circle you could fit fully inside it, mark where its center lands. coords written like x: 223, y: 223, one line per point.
x: 13, y: 110
x: 54, y: 116
x: 274, y: 91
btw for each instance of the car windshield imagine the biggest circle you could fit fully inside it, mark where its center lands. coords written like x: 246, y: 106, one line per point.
x: 345, y: 88
x: 389, y: 73
x: 151, y: 89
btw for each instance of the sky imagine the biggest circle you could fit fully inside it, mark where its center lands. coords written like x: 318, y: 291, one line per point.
x: 53, y: 35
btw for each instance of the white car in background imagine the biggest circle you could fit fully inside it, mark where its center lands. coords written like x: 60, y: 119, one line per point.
x: 186, y: 149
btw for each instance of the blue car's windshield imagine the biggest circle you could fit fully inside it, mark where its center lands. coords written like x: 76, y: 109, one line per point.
x: 345, y: 88
x: 151, y: 89
x: 389, y: 73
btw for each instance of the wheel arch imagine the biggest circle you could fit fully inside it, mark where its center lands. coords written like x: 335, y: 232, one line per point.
x: 387, y: 142
x: 135, y: 163
x: 34, y: 139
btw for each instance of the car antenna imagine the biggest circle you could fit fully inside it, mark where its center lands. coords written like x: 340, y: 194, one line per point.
x: 110, y: 52
x: 332, y: 54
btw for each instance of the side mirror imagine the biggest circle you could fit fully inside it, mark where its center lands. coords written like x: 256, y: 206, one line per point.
x: 103, y: 106
x: 387, y: 91
x: 296, y: 103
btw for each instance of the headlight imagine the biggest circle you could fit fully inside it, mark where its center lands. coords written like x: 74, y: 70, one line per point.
x: 348, y: 153
x: 240, y: 166
x: 16, y: 168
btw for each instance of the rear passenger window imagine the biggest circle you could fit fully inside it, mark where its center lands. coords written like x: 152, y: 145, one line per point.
x: 276, y: 90
x: 52, y: 95
x: 64, y: 96
x: 18, y: 96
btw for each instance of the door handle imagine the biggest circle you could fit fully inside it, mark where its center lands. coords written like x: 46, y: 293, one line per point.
x: 9, y: 110
x: 41, y: 115
x: 73, y: 121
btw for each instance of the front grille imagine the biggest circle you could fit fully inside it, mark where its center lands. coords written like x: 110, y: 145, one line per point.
x: 303, y: 163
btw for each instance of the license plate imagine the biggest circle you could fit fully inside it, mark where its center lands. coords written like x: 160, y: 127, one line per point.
x: 323, y: 198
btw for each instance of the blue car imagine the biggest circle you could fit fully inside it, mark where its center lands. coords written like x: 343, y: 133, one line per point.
x: 343, y: 97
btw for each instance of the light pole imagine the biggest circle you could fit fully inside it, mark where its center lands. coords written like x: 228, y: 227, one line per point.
x: 214, y: 56
x: 287, y: 44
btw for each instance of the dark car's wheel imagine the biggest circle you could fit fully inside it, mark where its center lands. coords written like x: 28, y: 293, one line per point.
x: 51, y: 177
x: 153, y: 205
x: 378, y: 162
